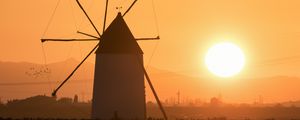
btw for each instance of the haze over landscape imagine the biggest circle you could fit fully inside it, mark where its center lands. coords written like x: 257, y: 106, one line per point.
x: 267, y: 31
x: 27, y: 81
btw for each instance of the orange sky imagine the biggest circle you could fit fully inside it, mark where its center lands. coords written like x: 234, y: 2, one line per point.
x: 266, y: 30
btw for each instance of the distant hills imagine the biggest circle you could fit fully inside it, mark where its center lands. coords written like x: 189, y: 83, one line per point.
x: 22, y: 79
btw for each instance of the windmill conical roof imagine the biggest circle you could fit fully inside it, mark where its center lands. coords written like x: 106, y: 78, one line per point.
x: 118, y: 39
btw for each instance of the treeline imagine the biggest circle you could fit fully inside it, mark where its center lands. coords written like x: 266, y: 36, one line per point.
x: 45, y: 107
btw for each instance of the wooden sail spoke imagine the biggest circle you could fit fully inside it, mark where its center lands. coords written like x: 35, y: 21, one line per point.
x: 129, y: 7
x: 68, y: 40
x: 71, y: 74
x: 154, y: 92
x: 88, y: 35
x: 105, y: 14
x: 156, y: 38
x: 88, y: 17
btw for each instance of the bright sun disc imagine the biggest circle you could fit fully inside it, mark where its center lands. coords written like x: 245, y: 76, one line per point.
x: 225, y: 59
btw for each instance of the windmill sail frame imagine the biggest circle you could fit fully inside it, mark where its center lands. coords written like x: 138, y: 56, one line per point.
x: 95, y: 38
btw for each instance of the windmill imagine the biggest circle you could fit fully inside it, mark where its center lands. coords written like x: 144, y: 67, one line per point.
x: 119, y: 87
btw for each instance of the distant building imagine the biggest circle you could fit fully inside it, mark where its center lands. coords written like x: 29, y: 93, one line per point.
x: 214, y: 101
x: 75, y: 100
x: 1, y: 103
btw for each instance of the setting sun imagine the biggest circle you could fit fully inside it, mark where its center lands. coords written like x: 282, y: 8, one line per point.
x: 225, y: 59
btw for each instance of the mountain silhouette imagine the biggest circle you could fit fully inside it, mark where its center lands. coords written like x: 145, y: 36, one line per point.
x: 23, y: 79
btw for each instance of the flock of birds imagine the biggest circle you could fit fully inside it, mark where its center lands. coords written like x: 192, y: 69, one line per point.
x: 38, y: 72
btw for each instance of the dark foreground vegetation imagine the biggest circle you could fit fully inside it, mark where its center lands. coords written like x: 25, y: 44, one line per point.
x: 49, y: 108
x: 45, y: 107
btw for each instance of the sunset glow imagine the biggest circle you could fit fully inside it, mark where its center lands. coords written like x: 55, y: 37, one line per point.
x: 150, y: 59
x: 225, y: 59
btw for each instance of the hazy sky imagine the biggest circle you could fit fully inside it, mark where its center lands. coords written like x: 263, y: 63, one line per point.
x: 266, y: 30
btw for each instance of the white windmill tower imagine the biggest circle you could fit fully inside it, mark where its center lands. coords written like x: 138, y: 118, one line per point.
x: 119, y: 71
